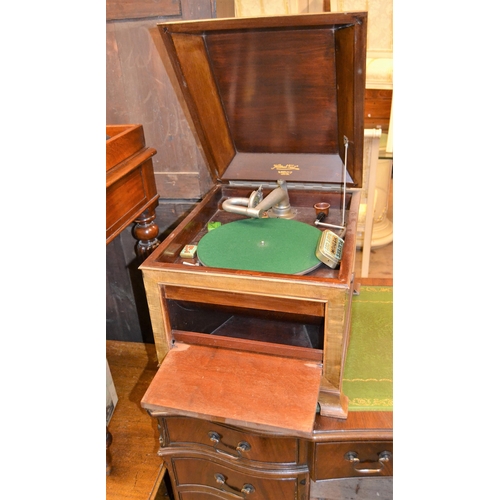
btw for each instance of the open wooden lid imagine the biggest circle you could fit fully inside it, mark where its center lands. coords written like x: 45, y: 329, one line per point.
x: 275, y: 97
x: 247, y: 389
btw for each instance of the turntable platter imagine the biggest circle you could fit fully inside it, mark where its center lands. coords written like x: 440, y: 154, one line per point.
x: 269, y: 245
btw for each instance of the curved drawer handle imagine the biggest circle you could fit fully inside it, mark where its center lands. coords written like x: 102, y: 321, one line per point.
x: 225, y: 449
x: 368, y: 467
x: 246, y: 490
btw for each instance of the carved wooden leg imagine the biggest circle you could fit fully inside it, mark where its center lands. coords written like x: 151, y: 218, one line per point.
x: 109, y: 440
x: 146, y: 231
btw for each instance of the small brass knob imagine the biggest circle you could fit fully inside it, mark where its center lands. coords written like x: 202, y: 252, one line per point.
x: 243, y: 446
x: 220, y: 478
x: 247, y: 489
x: 214, y: 436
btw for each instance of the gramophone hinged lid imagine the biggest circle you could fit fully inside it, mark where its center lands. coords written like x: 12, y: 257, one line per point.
x: 275, y: 97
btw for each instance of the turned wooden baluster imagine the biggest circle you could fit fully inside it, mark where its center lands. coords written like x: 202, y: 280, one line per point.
x: 146, y: 231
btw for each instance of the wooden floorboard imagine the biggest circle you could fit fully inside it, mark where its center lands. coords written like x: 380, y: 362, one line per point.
x: 137, y: 470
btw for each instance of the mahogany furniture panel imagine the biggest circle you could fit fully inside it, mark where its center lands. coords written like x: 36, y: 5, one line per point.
x: 130, y: 186
x: 207, y: 459
x: 352, y: 459
x: 230, y: 442
x: 243, y: 104
x: 212, y: 476
x: 225, y: 461
x: 243, y: 387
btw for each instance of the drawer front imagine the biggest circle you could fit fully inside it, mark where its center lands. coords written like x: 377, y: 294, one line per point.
x: 197, y: 477
x: 353, y: 459
x: 231, y: 442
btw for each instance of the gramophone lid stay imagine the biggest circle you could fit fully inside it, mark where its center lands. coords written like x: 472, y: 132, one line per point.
x: 275, y: 97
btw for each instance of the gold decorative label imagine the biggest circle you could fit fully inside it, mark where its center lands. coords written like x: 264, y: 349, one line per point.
x: 285, y: 169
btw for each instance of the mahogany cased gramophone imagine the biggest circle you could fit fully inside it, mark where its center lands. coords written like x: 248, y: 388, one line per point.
x: 253, y: 327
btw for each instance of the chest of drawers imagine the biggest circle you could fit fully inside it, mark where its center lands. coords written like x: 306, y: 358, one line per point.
x: 208, y: 460
x: 212, y: 460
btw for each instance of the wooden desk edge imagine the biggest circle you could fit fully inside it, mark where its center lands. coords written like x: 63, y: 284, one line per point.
x: 374, y: 281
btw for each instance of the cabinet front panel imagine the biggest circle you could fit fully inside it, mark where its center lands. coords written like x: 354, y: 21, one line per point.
x: 355, y: 459
x: 229, y: 442
x: 217, y: 478
x: 118, y: 205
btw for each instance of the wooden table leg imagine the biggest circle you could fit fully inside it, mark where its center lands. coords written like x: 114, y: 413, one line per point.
x: 146, y: 231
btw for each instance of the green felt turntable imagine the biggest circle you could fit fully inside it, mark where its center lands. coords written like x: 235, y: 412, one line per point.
x: 269, y: 245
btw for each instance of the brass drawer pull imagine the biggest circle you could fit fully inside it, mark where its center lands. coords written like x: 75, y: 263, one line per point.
x: 368, y: 467
x: 246, y: 490
x: 225, y: 449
